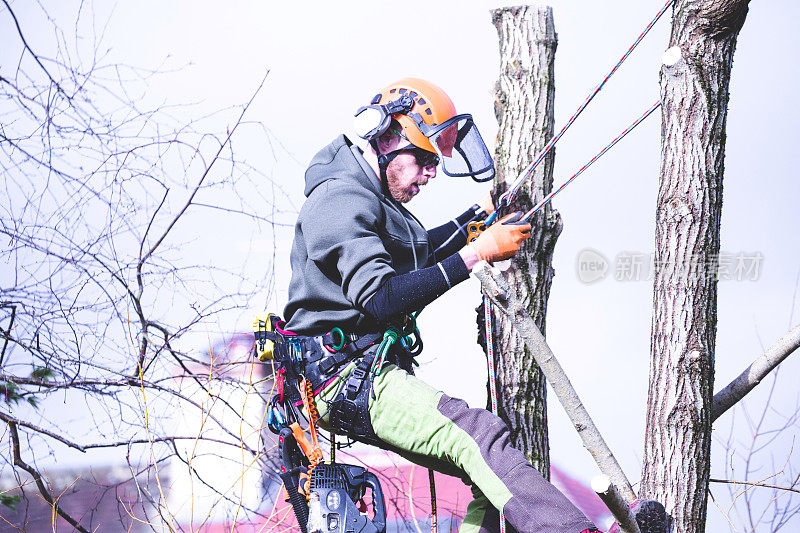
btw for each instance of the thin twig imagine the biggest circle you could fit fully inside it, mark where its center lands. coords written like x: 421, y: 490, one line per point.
x: 752, y: 484
x: 13, y: 422
x: 8, y: 333
x: 202, y: 177
x: 30, y: 50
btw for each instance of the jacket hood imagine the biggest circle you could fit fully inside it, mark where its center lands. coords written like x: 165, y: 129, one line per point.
x: 338, y: 160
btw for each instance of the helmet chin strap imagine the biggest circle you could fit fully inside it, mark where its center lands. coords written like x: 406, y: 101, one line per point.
x: 383, y: 164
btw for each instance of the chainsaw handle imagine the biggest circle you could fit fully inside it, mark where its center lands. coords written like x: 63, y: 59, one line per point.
x: 293, y: 463
x: 378, y: 504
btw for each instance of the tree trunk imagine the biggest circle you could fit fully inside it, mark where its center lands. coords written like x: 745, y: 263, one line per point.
x: 694, y: 95
x: 524, y: 109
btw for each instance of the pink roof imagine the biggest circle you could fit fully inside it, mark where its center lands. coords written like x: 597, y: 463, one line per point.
x: 398, y: 478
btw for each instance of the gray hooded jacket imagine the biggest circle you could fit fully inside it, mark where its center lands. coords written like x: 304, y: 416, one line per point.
x: 349, y: 239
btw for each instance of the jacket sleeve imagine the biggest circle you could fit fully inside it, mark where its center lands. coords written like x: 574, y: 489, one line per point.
x: 451, y: 236
x: 341, y: 223
x: 414, y: 290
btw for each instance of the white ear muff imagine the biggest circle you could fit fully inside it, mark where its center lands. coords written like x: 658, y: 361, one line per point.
x: 370, y: 121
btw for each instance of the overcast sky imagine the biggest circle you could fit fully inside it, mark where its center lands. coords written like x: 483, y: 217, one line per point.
x: 325, y: 59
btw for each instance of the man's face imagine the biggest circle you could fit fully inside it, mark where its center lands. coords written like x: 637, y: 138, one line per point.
x: 405, y: 176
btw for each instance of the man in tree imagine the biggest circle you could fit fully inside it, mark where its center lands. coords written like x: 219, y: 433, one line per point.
x: 362, y: 265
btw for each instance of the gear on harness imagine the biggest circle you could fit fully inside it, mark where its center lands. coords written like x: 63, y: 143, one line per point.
x: 409, y: 337
x: 324, y: 495
x: 427, y: 120
x: 264, y: 348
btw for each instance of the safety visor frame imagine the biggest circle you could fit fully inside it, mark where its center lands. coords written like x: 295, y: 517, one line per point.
x: 458, y: 142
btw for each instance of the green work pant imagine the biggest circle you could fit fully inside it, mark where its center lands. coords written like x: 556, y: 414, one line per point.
x: 433, y: 430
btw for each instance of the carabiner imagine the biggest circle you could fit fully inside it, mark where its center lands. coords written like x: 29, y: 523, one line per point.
x: 338, y: 346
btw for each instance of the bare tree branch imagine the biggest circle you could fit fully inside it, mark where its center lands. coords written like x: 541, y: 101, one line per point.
x: 753, y: 374
x: 204, y: 175
x: 752, y: 484
x: 7, y: 332
x: 38, y: 479
x: 13, y: 423
x: 29, y: 49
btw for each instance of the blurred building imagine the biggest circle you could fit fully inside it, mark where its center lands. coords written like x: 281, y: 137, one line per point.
x: 100, y: 499
x: 215, y: 477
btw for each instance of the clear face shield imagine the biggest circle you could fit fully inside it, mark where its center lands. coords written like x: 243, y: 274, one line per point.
x: 460, y: 147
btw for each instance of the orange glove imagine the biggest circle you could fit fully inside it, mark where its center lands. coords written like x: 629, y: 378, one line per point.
x: 501, y: 240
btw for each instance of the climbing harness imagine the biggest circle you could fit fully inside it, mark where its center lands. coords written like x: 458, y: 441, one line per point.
x: 324, y: 495
x: 475, y: 228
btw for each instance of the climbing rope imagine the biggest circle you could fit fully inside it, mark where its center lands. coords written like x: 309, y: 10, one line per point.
x: 487, y: 315
x: 618, y: 138
x: 506, y: 197
x: 432, y: 483
x: 315, y: 457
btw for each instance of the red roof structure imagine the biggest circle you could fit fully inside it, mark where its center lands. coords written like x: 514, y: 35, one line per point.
x: 408, y: 505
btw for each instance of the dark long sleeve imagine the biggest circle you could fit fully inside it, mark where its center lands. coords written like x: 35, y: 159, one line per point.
x: 450, y: 237
x: 412, y: 291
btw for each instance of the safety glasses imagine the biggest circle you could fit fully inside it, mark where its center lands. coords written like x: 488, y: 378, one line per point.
x: 425, y: 158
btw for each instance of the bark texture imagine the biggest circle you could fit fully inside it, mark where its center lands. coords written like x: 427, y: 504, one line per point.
x: 524, y: 107
x: 694, y: 96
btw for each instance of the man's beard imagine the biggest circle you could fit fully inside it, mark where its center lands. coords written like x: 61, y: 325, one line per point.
x: 399, y: 193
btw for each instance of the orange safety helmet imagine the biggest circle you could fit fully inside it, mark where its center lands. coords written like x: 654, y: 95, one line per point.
x: 428, y: 121
x: 430, y: 101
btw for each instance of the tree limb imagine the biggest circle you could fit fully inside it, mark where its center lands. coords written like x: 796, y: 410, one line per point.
x: 13, y: 422
x: 496, y: 288
x: 616, y: 503
x: 38, y: 479
x: 753, y: 374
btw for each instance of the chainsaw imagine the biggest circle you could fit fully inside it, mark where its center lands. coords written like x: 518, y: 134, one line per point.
x: 332, y: 504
